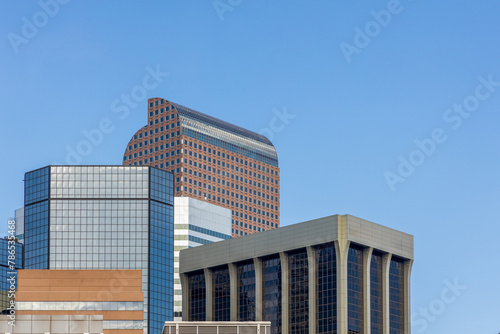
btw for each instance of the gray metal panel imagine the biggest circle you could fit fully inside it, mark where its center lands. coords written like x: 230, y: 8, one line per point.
x: 379, y: 237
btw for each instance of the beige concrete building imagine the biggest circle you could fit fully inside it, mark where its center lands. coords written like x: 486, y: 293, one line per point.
x: 338, y: 274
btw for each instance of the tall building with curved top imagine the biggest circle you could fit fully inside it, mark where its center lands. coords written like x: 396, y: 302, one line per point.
x: 213, y: 161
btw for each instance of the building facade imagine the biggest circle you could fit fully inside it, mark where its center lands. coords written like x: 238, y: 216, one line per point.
x: 104, y: 217
x: 196, y: 223
x: 211, y: 327
x: 19, y: 225
x: 212, y: 160
x: 338, y: 274
x: 43, y: 324
x: 116, y: 295
x: 11, y: 259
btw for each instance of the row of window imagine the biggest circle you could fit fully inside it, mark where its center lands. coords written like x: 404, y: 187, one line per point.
x: 251, y: 226
x: 122, y: 324
x: 155, y: 131
x: 209, y: 168
x: 255, y: 192
x: 161, y: 101
x: 205, y: 157
x: 156, y: 148
x: 235, y: 195
x: 209, y: 232
x: 79, y: 306
x: 160, y: 111
x: 298, y: 294
x: 230, y: 157
x: 224, y: 192
x: 255, y: 228
x: 233, y: 177
x: 260, y: 152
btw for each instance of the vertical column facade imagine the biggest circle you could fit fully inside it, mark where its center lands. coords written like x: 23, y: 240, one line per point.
x: 408, y: 266
x: 311, y: 257
x: 233, y: 288
x: 386, y: 263
x: 259, y: 288
x: 209, y: 294
x: 342, y: 251
x: 367, y: 256
x: 185, y: 296
x: 284, y: 293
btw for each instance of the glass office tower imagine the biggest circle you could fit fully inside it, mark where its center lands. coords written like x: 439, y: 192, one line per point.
x: 105, y: 217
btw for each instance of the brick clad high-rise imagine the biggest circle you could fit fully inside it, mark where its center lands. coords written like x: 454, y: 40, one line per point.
x: 212, y: 160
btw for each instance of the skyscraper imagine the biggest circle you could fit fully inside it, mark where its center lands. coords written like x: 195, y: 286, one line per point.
x: 212, y: 160
x: 104, y: 217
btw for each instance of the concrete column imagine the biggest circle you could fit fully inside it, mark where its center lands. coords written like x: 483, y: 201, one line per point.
x: 311, y: 263
x: 284, y: 293
x: 233, y: 291
x: 185, y: 296
x: 259, y: 288
x: 386, y: 265
x: 367, y: 259
x: 209, y: 288
x: 342, y: 251
x: 407, y: 305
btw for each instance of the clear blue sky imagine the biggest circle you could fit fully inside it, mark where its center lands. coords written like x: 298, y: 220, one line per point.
x: 359, y: 104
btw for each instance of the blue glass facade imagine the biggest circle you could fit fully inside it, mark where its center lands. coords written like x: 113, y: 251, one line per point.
x: 355, y: 289
x: 36, y: 211
x: 326, y: 311
x: 396, y: 295
x: 161, y: 249
x: 197, y: 297
x: 326, y: 289
x: 298, y: 292
x: 105, y: 217
x: 246, y: 292
x: 11, y: 259
x: 36, y: 235
x: 36, y: 186
x: 376, y: 297
x: 221, y: 294
x: 271, y: 268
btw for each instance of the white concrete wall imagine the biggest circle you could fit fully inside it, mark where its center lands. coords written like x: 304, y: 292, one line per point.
x: 41, y: 324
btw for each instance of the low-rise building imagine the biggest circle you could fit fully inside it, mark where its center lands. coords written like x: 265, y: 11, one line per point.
x: 116, y: 295
x: 222, y: 327
x: 338, y: 274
